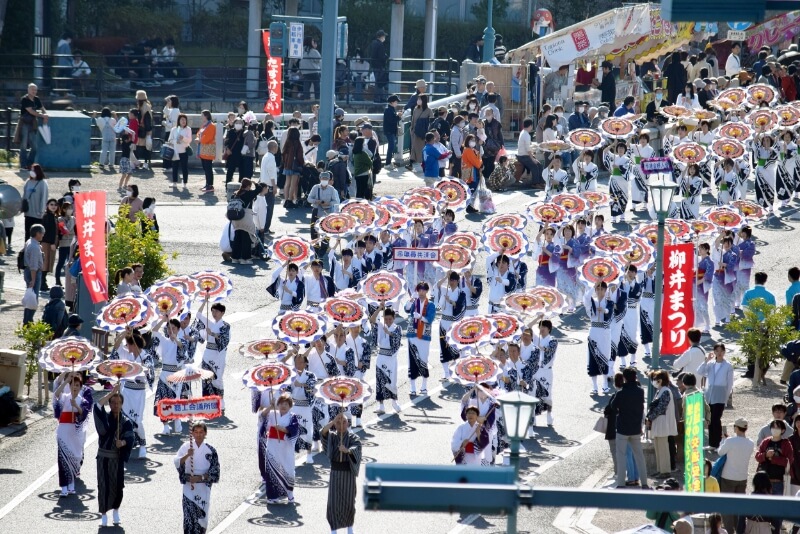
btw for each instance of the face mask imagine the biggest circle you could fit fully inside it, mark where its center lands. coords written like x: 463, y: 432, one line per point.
x: 579, y: 110
x: 323, y: 183
x: 560, y: 114
x: 472, y: 144
x: 237, y: 126
x: 659, y: 96
x: 76, y: 188
x: 796, y: 399
x: 129, y: 194
x: 150, y: 210
x: 776, y: 432
x: 68, y: 212
x: 32, y: 174
x: 688, y: 94
x: 241, y: 111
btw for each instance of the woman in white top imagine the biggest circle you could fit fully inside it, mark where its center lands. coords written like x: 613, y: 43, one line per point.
x: 180, y: 136
x: 169, y: 121
x: 688, y: 99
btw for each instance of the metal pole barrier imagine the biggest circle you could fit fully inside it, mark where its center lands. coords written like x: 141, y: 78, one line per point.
x: 659, y: 283
x: 8, y: 137
x: 488, y: 35
x: 327, y: 89
x: 511, y: 522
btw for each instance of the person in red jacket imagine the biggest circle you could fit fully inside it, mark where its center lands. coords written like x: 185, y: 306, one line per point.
x: 788, y: 84
x: 774, y: 455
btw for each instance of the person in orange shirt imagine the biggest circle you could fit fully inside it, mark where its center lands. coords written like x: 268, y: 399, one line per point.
x: 207, y: 149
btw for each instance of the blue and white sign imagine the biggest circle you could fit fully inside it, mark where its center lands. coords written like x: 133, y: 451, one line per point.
x: 739, y: 26
x: 296, y: 30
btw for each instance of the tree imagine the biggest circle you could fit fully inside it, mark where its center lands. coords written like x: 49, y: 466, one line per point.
x: 34, y: 336
x: 762, y: 330
x: 481, y: 9
x: 135, y: 242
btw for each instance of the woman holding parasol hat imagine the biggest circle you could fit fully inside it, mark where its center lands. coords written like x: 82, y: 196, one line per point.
x: 618, y: 183
x: 500, y: 278
x: 725, y: 264
x: 278, y: 430
x: 452, y: 300
x: 172, y: 351
x: 540, y: 365
x: 473, y: 288
x: 133, y: 350
x: 302, y: 390
x: 640, y: 150
x: 469, y: 439
x: 586, y: 172
x: 116, y: 439
x: 217, y: 335
x: 290, y: 291
x: 198, y: 468
x: 705, y: 137
x: 600, y: 304
x: 786, y: 182
x: 71, y: 404
x: 703, y: 280
x: 481, y: 397
x: 569, y: 257
x: 386, y: 337
x: 421, y: 315
x: 690, y: 186
x: 766, y: 157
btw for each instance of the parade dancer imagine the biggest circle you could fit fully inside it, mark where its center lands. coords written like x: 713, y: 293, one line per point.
x: 500, y: 279
x: 618, y: 185
x: 172, y: 351
x: 628, y: 341
x: 421, y: 314
x: 547, y: 257
x: 584, y: 239
x: 198, y: 468
x: 115, y: 440
x: 704, y: 137
x: 728, y: 182
x: 703, y: 281
x: 290, y: 291
x: 386, y: 336
x: 362, y: 350
x: 586, y: 172
x: 766, y: 169
x: 188, y: 331
x: 723, y: 288
x: 516, y: 375
x: 71, y: 409
x: 469, y: 440
x: 541, y: 366
x: 343, y: 449
x: 386, y: 250
x: 135, y: 390
x: 620, y: 311
x: 372, y: 259
x: 344, y: 272
x: 481, y: 398
x: 473, y: 288
x: 691, y: 189
x: 786, y: 178
x: 555, y: 178
x: 345, y: 357
x: 599, y: 305
x: 278, y: 430
x: 636, y: 176
x: 745, y: 249
x: 217, y: 334
x: 452, y: 301
x: 318, y: 287
x: 303, y: 392
x: 571, y: 251
x: 647, y: 306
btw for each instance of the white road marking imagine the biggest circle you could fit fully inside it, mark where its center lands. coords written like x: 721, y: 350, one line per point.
x: 39, y: 482
x: 582, y: 523
x: 536, y: 473
x: 239, y: 316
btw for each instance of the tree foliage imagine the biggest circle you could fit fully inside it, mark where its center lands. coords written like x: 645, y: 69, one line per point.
x: 129, y: 244
x: 34, y: 336
x: 762, y: 330
x: 481, y: 9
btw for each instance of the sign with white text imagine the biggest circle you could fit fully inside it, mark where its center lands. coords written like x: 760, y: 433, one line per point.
x: 296, y: 30
x: 677, y: 310
x: 415, y: 254
x: 199, y: 408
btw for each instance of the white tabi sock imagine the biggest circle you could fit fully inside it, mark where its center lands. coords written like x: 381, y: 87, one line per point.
x: 622, y: 362
x: 349, y: 530
x: 594, y: 382
x: 381, y: 407
x: 424, y: 383
x: 446, y: 369
x: 413, y: 385
x: 115, y: 516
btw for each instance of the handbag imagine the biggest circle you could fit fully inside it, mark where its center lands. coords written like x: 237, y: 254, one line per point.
x: 601, y: 425
x: 30, y: 301
x: 757, y: 527
x: 716, y: 469
x: 189, y: 151
x: 208, y: 150
x: 421, y: 127
x: 167, y: 151
x: 44, y: 131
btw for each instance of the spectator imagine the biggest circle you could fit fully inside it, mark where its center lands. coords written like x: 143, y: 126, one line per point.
x: 269, y: 177
x: 391, y: 123
x: 628, y: 404
x: 169, y: 120
x: 207, y: 149
x: 26, y: 134
x: 525, y: 157
x: 310, y: 66
x: 494, y: 142
x: 733, y: 65
x: 693, y: 357
x: 180, y: 136
x: 144, y: 141
x: 788, y: 84
x: 80, y: 73
x: 359, y: 73
x: 773, y: 457
x: 50, y: 240
x: 661, y: 421
x: 711, y: 484
x: 419, y: 89
x: 420, y: 124
x: 456, y: 144
x: 132, y: 199
x: 758, y: 65
x: 63, y: 58
x: 688, y: 98
x: 474, y: 51
x: 106, y: 123
x: 676, y: 76
x: 718, y: 373
x: 778, y: 412
x: 244, y: 228
x: 33, y: 258
x: 36, y: 193
x: 584, y: 77
x: 626, y: 107
x: 554, y: 81
x: 579, y: 118
x: 480, y: 91
x: 499, y: 49
x: 794, y: 478
x: 738, y: 450
x: 377, y: 62
x: 665, y: 519
x: 608, y: 86
x: 794, y: 284
x: 759, y: 292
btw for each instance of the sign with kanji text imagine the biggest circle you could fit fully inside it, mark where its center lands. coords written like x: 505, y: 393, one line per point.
x: 90, y: 229
x: 694, y: 414
x: 296, y: 30
x: 415, y: 254
x: 656, y: 166
x: 677, y: 310
x: 736, y: 35
x: 200, y: 408
x: 274, y: 103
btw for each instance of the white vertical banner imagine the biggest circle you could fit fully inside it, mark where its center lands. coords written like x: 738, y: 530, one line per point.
x: 296, y: 31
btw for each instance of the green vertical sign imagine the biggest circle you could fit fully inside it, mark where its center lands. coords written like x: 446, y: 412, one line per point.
x: 694, y: 421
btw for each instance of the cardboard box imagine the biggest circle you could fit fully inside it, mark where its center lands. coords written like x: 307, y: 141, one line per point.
x: 10, y: 357
x: 13, y: 377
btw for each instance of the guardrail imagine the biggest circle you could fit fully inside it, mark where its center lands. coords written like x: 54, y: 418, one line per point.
x: 207, y: 78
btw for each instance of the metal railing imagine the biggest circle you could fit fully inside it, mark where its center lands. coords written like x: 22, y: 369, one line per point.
x: 207, y: 78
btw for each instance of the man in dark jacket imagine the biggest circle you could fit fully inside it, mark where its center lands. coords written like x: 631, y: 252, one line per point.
x: 391, y: 122
x: 628, y: 405
x: 377, y: 62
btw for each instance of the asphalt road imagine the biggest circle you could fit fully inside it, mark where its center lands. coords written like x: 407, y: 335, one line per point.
x: 569, y: 454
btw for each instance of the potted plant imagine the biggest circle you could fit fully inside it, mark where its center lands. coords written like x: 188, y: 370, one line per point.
x: 762, y: 330
x: 34, y: 336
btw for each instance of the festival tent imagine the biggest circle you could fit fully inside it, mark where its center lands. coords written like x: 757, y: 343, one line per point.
x: 774, y: 31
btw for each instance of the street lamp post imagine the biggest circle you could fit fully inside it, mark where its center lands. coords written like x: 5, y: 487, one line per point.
x: 488, y: 34
x: 517, y: 411
x: 661, y: 193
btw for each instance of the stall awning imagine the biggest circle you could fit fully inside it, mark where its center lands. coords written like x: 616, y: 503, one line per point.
x: 775, y: 30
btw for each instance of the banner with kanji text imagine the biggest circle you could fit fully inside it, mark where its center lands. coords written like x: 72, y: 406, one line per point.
x: 274, y: 104
x: 694, y: 416
x: 90, y: 229
x: 677, y: 308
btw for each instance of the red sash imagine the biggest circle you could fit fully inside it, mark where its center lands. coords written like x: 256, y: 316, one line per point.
x: 544, y: 259
x: 274, y: 433
x: 67, y: 417
x: 470, y: 448
x: 420, y: 324
x: 701, y: 273
x: 564, y: 256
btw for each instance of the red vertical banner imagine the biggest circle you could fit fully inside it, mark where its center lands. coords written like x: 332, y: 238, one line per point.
x: 677, y: 308
x: 274, y: 104
x: 90, y: 228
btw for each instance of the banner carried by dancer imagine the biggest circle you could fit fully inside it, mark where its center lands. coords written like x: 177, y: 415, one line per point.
x: 677, y: 311
x: 90, y: 227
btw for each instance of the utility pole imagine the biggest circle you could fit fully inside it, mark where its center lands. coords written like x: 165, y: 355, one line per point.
x: 488, y: 34
x: 254, y: 48
x: 327, y: 85
x: 38, y: 28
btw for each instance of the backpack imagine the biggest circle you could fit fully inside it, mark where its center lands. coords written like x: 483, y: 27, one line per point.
x: 21, y: 260
x: 235, y: 209
x: 56, y: 317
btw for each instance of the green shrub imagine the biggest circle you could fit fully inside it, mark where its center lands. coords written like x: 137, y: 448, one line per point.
x: 34, y: 336
x: 128, y: 244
